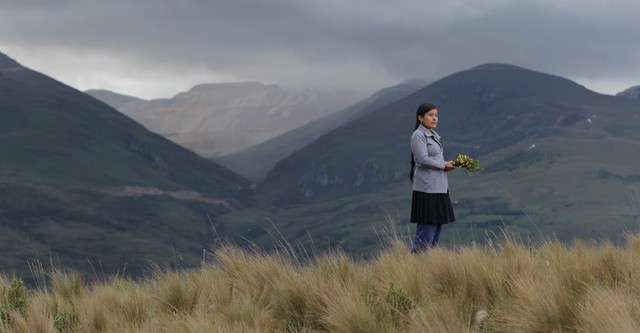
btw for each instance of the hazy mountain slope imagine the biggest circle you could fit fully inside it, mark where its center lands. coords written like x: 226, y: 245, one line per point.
x: 482, y: 110
x: 136, y: 107
x: 115, y: 98
x: 222, y: 118
x: 81, y: 181
x: 256, y: 161
x: 633, y: 92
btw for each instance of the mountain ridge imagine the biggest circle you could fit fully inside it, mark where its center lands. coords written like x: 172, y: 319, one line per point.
x: 492, y: 66
x: 632, y: 92
x: 473, y: 95
x: 7, y: 62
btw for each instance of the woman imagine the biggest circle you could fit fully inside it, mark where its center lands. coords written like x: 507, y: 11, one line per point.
x: 430, y: 204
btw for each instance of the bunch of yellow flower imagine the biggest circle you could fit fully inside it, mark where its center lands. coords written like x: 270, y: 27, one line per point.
x: 467, y: 163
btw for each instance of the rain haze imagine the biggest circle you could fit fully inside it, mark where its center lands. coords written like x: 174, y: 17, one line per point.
x: 156, y: 49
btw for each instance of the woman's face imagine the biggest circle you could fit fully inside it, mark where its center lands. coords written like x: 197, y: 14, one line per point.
x: 430, y: 119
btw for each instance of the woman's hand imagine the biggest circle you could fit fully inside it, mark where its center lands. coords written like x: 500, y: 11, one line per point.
x: 448, y: 166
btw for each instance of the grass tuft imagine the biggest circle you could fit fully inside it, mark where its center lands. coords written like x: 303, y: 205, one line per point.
x: 506, y: 286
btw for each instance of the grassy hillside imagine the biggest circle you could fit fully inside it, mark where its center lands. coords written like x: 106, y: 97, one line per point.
x: 93, y: 231
x: 504, y: 287
x: 482, y: 110
x: 553, y: 188
x: 86, y: 186
x: 52, y: 133
x: 560, y: 162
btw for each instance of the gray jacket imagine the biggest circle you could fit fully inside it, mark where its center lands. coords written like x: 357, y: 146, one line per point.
x: 429, y: 175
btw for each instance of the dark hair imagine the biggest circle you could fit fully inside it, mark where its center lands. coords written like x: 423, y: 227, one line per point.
x: 422, y: 110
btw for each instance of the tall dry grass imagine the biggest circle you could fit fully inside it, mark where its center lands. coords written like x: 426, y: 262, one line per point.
x: 501, y: 287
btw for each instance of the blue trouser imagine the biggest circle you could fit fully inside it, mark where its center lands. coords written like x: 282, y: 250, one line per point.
x: 427, y: 236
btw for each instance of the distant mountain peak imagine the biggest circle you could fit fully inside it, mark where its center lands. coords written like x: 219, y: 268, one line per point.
x: 633, y: 92
x: 103, y: 95
x: 8, y: 63
x: 497, y: 66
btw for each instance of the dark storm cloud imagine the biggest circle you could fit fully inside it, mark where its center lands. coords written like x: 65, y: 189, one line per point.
x: 356, y: 44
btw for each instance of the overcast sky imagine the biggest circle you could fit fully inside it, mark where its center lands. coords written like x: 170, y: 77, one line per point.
x: 157, y: 48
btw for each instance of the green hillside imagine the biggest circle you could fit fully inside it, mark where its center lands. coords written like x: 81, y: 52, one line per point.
x: 556, y: 190
x: 81, y: 183
x: 560, y: 161
x: 482, y: 110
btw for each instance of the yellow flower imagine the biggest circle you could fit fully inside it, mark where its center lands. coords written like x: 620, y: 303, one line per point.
x: 467, y: 163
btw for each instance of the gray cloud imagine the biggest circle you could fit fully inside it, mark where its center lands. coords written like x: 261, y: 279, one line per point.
x: 154, y: 48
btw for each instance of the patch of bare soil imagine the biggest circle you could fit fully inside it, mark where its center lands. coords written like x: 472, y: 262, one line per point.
x: 134, y: 191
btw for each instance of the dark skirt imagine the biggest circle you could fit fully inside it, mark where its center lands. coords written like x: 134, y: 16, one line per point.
x: 431, y: 208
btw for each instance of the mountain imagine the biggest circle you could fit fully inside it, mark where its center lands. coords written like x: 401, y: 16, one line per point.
x: 114, y: 98
x: 86, y: 184
x: 223, y: 118
x: 7, y: 63
x: 483, y: 110
x: 559, y: 161
x: 255, y: 161
x: 633, y: 92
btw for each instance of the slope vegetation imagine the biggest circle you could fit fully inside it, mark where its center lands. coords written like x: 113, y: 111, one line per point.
x: 560, y: 162
x: 69, y: 164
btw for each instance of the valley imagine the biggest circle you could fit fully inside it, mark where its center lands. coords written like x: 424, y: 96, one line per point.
x: 82, y: 183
